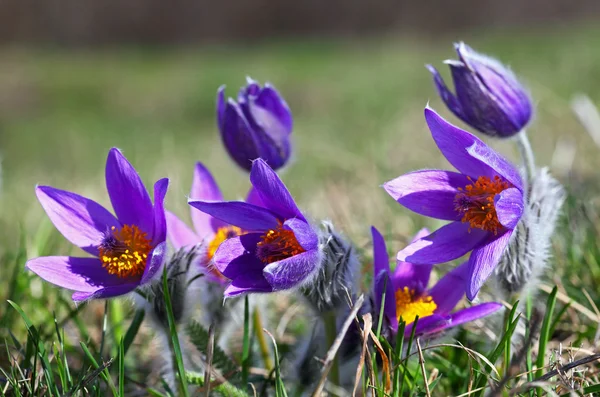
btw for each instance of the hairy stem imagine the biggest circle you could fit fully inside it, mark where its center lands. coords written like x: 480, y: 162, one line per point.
x: 526, y: 155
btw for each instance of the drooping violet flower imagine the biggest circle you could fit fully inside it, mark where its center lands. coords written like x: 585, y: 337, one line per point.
x: 484, y: 201
x: 488, y: 95
x: 280, y: 249
x: 407, y: 294
x: 258, y: 125
x: 128, y: 250
x: 207, y: 229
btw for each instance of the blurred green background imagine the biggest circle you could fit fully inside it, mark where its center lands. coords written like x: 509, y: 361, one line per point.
x: 357, y: 107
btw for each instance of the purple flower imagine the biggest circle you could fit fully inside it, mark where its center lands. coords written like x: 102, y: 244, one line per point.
x: 484, y: 201
x: 407, y: 295
x: 259, y: 125
x: 488, y: 95
x: 206, y: 228
x: 127, y: 250
x: 280, y: 249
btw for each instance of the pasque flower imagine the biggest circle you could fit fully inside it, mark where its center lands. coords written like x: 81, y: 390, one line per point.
x: 258, y: 125
x: 280, y: 249
x: 484, y: 201
x: 127, y: 250
x: 407, y: 294
x: 207, y: 229
x: 488, y: 95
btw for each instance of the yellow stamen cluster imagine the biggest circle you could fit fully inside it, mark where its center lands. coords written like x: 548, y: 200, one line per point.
x: 476, y: 203
x: 222, y: 234
x: 125, y: 251
x: 278, y: 244
x: 409, y: 306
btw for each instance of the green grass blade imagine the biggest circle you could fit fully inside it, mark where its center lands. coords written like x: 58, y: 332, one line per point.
x: 545, y: 334
x: 105, y: 374
x: 121, y: 368
x: 174, y: 338
x: 41, y: 350
x: 133, y: 329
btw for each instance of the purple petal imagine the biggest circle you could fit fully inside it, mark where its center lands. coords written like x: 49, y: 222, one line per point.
x: 382, y: 281
x: 294, y: 271
x: 254, y: 198
x: 509, y: 207
x: 82, y: 221
x: 502, y: 86
x: 237, y: 256
x: 127, y: 193
x: 105, y: 293
x: 238, y: 137
x: 221, y: 107
x: 447, y: 96
x: 408, y: 275
x: 273, y: 192
x: 204, y: 187
x: 415, y: 277
x: 381, y: 260
x: 445, y: 244
x: 449, y: 290
x: 426, y: 325
x: 272, y: 114
x: 160, y: 223
x: 243, y: 215
x: 305, y: 234
x: 154, y: 263
x: 179, y: 233
x: 270, y: 100
x: 483, y: 260
x: 78, y: 274
x: 430, y: 192
x: 473, y: 313
x: 247, y: 283
x: 467, y: 153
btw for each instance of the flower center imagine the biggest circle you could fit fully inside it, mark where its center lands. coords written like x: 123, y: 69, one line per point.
x: 476, y: 203
x: 409, y: 306
x: 124, y: 251
x: 278, y: 244
x: 222, y: 234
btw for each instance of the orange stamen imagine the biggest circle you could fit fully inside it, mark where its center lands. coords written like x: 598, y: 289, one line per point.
x: 476, y: 203
x: 278, y: 244
x: 124, y: 252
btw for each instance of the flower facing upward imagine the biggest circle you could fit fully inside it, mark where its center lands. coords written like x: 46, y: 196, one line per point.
x: 407, y: 295
x: 206, y: 229
x: 484, y: 202
x: 488, y: 95
x: 128, y: 250
x: 258, y: 125
x: 280, y: 249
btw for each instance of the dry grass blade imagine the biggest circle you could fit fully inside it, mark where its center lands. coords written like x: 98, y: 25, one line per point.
x: 336, y: 345
x: 368, y: 324
x: 564, y: 298
x: 385, y: 362
x: 422, y: 363
x: 471, y: 352
x: 209, y: 357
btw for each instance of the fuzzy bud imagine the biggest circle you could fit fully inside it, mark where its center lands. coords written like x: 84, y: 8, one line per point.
x: 528, y: 252
x: 336, y: 279
x: 488, y: 95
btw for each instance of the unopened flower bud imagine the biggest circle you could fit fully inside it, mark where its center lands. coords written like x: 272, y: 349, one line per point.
x: 257, y: 125
x: 488, y: 95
